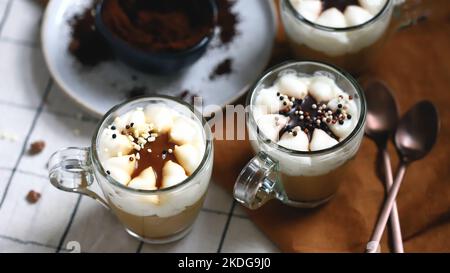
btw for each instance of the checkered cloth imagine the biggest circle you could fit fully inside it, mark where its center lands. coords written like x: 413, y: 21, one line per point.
x: 32, y: 108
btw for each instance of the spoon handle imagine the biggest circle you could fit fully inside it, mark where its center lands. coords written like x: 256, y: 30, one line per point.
x: 393, y: 218
x: 384, y: 215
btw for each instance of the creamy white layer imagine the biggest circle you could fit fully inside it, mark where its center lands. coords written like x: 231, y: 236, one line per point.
x: 322, y: 87
x: 117, y: 153
x: 269, y: 105
x: 353, y: 15
x: 336, y: 43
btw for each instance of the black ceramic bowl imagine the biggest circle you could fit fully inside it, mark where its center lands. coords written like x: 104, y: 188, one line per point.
x: 156, y: 62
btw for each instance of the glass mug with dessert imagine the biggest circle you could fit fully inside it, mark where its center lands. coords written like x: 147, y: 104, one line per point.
x: 305, y: 123
x: 347, y: 33
x: 152, y: 158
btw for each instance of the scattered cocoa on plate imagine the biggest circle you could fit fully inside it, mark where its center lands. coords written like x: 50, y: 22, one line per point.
x: 223, y: 68
x: 87, y: 45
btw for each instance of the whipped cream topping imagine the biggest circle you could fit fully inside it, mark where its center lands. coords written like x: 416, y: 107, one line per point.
x: 133, y: 142
x: 305, y: 113
x: 338, y: 13
x: 334, y: 14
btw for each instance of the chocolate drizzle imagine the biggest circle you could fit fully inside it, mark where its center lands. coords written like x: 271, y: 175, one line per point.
x: 310, y: 117
x: 155, y: 154
x: 339, y: 4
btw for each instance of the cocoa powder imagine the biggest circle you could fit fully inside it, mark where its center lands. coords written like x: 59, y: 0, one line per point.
x: 90, y: 49
x: 87, y: 45
x: 158, y: 26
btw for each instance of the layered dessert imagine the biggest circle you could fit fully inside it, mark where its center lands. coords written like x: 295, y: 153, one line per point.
x: 338, y: 13
x: 311, y: 114
x: 337, y: 31
x: 154, y: 148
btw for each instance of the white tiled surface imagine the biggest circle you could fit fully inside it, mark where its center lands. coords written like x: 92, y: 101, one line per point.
x: 24, y: 74
x: 243, y: 237
x: 95, y: 228
x: 204, y: 237
x: 3, y: 5
x: 58, y: 132
x: 12, y: 245
x: 15, y: 122
x: 239, y: 211
x: 33, y: 108
x: 5, y: 174
x: 25, y: 28
x: 43, y: 222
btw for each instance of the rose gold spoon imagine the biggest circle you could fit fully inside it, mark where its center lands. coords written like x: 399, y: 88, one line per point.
x: 415, y: 136
x: 382, y: 118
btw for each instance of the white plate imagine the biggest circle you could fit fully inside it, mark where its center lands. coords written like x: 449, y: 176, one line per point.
x: 100, y: 88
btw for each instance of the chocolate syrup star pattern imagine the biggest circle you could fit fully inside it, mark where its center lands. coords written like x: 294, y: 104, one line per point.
x: 305, y: 113
x: 151, y: 148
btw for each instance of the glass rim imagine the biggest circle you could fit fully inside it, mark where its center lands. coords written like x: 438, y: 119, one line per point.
x: 300, y: 17
x: 287, y: 65
x: 201, y: 166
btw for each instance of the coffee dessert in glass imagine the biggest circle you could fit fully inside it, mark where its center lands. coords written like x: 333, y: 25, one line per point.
x: 305, y: 122
x: 152, y: 158
x: 347, y: 33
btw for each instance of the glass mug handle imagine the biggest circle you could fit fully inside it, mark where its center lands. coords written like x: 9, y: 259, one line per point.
x: 258, y: 182
x: 70, y: 170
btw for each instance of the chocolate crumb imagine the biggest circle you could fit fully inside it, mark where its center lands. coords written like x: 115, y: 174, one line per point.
x: 184, y: 94
x: 36, y: 147
x: 33, y: 197
x: 223, y: 68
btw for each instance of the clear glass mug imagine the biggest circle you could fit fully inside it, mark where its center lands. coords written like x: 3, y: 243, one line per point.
x: 351, y: 48
x: 298, y: 179
x: 76, y: 169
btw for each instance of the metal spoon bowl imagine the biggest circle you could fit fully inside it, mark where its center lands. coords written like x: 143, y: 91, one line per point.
x: 382, y: 118
x: 415, y: 136
x: 417, y: 132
